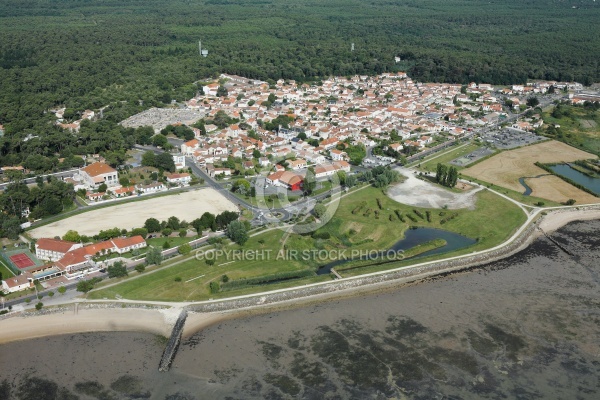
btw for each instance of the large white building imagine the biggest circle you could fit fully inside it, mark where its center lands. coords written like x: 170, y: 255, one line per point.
x: 98, y: 173
x: 53, y: 249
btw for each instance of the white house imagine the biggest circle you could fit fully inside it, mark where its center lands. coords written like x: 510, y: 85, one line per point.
x: 181, y: 179
x: 151, y: 188
x: 337, y: 155
x: 188, y: 147
x: 16, y: 283
x: 297, y: 164
x: 98, y: 173
x: 179, y: 160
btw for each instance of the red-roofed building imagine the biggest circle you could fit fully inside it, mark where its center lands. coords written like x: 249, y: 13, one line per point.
x: 183, y: 178
x: 286, y: 179
x: 98, y: 173
x: 74, y: 262
x: 53, y: 249
x: 123, y: 191
x: 123, y: 245
x: 16, y: 283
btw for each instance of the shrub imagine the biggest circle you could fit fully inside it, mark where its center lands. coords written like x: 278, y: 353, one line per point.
x: 182, y: 232
x: 419, y: 213
x: 214, y: 287
x: 225, y: 278
x: 428, y: 213
x: 411, y: 217
x: 62, y: 290
x: 448, y: 218
x: 399, y: 215
x: 51, y: 294
x: 321, y: 235
x: 177, y: 279
x: 166, y: 231
x: 379, y: 204
x: 140, y: 268
x: 210, y: 262
x: 39, y: 306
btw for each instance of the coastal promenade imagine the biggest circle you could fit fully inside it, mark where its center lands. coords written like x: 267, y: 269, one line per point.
x: 159, y: 317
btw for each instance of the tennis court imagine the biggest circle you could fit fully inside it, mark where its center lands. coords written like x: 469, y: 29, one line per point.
x: 21, y: 260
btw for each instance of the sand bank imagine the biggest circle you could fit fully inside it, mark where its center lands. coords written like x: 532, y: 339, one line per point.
x: 555, y: 220
x: 86, y: 320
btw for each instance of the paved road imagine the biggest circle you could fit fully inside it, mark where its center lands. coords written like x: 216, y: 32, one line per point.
x: 62, y: 174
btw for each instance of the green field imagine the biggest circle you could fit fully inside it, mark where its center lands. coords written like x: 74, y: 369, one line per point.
x: 356, y: 230
x: 6, y: 273
x: 579, y: 127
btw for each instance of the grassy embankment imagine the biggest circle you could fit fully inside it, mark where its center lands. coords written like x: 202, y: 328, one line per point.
x: 579, y: 127
x: 354, y: 226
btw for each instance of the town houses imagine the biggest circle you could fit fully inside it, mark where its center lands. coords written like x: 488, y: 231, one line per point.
x: 321, y: 121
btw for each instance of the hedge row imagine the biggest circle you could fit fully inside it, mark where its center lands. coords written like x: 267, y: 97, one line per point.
x: 448, y: 218
x: 261, y: 280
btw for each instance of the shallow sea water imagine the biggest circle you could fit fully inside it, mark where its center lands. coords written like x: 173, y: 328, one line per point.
x: 527, y: 327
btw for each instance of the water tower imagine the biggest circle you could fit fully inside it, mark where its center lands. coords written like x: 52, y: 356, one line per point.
x: 203, y: 52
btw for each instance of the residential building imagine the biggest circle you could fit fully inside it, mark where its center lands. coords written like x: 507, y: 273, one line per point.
x: 17, y: 283
x: 98, y: 173
x: 181, y: 179
x: 287, y: 179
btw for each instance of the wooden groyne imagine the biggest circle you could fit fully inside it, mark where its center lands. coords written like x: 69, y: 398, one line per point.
x: 560, y: 246
x: 173, y: 343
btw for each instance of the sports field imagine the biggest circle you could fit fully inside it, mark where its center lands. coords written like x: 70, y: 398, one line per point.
x: 21, y: 260
x: 185, y: 206
x: 505, y: 169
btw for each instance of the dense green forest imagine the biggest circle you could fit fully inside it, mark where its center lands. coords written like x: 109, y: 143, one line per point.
x: 132, y: 54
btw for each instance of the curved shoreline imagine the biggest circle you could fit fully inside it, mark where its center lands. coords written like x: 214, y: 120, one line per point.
x: 92, y: 316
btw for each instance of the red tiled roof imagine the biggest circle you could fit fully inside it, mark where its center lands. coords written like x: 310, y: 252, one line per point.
x: 126, y: 242
x: 98, y: 168
x: 59, y: 246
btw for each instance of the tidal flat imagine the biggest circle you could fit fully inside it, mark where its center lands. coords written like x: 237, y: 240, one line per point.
x: 525, y: 327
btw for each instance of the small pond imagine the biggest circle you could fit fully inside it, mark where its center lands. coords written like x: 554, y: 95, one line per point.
x: 414, y: 237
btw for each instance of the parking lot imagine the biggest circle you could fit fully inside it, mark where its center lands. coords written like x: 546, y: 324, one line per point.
x: 472, y: 157
x: 510, y: 138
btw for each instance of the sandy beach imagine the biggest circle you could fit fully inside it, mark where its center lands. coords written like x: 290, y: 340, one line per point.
x: 556, y: 220
x: 185, y: 206
x: 85, y: 320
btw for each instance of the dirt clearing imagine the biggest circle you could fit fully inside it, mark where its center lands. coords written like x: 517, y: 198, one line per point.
x: 416, y: 192
x: 185, y: 206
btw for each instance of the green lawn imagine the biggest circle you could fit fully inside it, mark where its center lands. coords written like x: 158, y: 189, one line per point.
x: 352, y: 227
x: 579, y: 127
x: 174, y: 241
x: 5, y: 271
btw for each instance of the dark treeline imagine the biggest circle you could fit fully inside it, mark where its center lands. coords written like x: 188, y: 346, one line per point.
x: 134, y: 54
